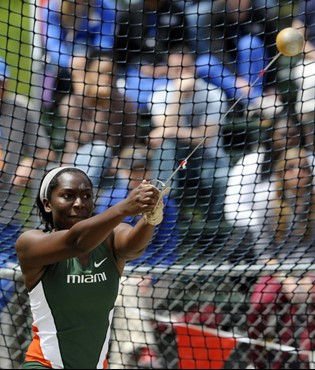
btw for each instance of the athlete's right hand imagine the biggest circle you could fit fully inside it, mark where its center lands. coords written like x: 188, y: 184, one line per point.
x: 142, y: 199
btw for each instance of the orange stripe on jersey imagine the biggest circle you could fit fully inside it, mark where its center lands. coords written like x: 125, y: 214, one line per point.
x: 105, y: 364
x: 34, y: 352
x: 1, y: 159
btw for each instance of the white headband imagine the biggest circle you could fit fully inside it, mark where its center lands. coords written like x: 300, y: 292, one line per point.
x: 48, y: 178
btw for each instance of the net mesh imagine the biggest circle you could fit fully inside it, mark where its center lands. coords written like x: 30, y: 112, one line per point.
x: 126, y: 90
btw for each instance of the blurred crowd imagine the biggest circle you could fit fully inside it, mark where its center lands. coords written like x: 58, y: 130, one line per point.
x: 133, y: 88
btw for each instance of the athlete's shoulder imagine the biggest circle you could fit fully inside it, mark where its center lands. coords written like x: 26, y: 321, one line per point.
x: 28, y: 237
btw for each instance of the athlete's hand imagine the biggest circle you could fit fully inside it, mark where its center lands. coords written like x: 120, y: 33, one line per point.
x: 142, y: 199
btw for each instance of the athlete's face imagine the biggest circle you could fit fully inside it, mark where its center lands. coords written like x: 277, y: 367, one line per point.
x: 297, y: 174
x: 71, y: 201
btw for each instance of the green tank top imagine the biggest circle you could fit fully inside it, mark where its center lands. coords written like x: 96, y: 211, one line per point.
x: 72, y: 308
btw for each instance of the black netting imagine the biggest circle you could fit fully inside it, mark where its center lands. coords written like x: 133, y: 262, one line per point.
x: 195, y: 94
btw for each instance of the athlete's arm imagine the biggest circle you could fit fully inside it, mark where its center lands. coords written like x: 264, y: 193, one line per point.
x: 130, y: 242
x: 36, y: 248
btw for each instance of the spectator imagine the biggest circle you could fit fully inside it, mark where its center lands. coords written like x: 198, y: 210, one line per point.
x: 198, y: 17
x: 251, y: 180
x: 289, y: 211
x: 289, y: 225
x: 186, y: 112
x: 133, y: 334
x: 139, y: 83
x: 305, y: 22
x: 147, y: 29
x: 99, y: 121
x: 71, y: 28
x: 303, y: 72
x: 241, y: 42
x: 303, y: 75
x: 25, y: 149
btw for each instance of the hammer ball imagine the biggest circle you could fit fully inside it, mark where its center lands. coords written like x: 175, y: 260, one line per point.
x: 290, y: 42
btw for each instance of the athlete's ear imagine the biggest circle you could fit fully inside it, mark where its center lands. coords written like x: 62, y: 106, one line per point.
x: 46, y: 205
